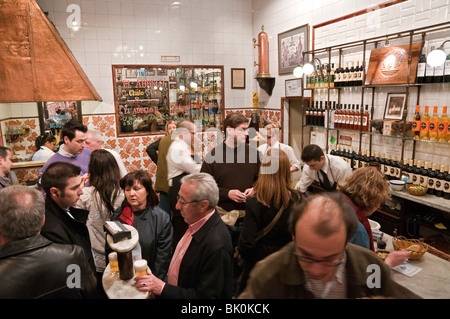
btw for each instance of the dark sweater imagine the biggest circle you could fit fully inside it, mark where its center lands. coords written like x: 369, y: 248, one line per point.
x: 237, y: 170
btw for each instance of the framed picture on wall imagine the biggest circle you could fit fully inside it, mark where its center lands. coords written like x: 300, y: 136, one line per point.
x: 291, y: 45
x: 53, y: 115
x: 237, y: 78
x: 395, y: 104
x: 293, y: 88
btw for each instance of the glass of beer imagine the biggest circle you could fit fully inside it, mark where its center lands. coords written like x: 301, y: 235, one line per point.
x: 140, y: 267
x: 113, y: 263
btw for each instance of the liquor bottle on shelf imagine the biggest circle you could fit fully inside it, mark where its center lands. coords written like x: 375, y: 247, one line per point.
x: 432, y: 172
x: 345, y: 75
x: 350, y: 72
x: 416, y: 172
x: 416, y: 124
x: 332, y: 75
x: 397, y: 168
x: 322, y: 115
x: 378, y: 159
x: 443, y: 125
x: 307, y: 115
x: 382, y: 163
x: 347, y: 117
x: 425, y: 124
x: 357, y: 118
x: 423, y: 178
x: 332, y: 115
x: 447, y: 69
x: 356, y: 159
x: 421, y: 67
x: 387, y: 166
x: 365, y: 120
x: 439, y: 73
x: 446, y: 191
x: 361, y: 74
x: 363, y: 160
x: 315, y: 114
x: 407, y: 170
x: 429, y: 72
x: 440, y: 179
x: 434, y: 124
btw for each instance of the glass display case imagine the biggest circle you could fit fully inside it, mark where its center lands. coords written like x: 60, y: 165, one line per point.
x: 147, y: 96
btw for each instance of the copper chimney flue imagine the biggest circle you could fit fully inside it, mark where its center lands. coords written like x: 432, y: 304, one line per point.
x: 35, y: 63
x: 263, y: 76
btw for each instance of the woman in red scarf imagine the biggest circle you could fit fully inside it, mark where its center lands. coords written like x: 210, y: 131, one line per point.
x: 366, y: 189
x: 140, y: 209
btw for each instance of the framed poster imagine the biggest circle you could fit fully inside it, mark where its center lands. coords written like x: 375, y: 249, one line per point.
x: 395, y: 104
x: 237, y: 78
x: 293, y: 88
x: 53, y: 115
x: 291, y: 45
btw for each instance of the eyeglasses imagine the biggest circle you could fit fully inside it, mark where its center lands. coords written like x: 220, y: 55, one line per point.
x: 325, y: 262
x: 182, y: 203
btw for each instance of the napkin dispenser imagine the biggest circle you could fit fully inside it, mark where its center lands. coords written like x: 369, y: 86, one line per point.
x: 117, y: 231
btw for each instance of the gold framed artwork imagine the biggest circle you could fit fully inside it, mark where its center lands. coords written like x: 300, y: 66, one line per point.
x: 389, y: 65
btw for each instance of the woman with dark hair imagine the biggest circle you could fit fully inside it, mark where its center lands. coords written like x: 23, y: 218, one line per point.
x: 101, y: 199
x: 45, y: 144
x: 267, y: 212
x: 140, y: 209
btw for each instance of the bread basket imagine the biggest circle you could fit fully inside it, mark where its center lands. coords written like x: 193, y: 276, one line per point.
x: 401, y: 242
x: 416, y: 192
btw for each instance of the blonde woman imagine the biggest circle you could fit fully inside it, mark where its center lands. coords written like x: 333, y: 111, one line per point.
x: 272, y: 194
x: 366, y: 189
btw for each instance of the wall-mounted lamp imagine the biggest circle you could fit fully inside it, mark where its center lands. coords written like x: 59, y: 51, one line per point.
x: 437, y: 57
x: 307, y: 69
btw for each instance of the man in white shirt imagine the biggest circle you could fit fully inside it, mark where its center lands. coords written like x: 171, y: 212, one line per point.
x: 94, y: 141
x: 327, y: 170
x: 270, y: 133
x: 180, y: 162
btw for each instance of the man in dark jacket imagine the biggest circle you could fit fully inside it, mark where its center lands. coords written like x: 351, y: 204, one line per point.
x: 202, y: 264
x: 32, y: 266
x: 64, y: 223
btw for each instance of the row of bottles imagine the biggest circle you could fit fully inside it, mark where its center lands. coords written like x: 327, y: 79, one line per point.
x: 434, y: 176
x: 341, y: 116
x: 328, y: 76
x: 429, y: 74
x: 431, y: 128
x: 349, y: 76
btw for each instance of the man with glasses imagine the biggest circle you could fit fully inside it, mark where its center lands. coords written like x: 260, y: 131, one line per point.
x: 270, y: 133
x: 202, y: 264
x: 320, y: 262
x: 180, y: 162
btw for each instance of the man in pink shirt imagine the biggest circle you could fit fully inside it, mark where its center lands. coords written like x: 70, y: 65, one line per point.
x: 202, y: 264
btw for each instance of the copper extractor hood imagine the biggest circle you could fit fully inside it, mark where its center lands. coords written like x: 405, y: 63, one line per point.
x: 35, y: 63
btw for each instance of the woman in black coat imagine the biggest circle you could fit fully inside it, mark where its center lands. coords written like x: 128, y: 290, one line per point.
x: 273, y: 194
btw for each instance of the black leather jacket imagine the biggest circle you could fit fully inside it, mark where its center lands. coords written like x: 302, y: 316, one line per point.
x: 36, y: 267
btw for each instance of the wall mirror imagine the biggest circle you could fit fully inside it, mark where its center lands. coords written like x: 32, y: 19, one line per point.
x: 147, y: 96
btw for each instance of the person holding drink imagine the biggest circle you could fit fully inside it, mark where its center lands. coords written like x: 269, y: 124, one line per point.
x: 140, y: 209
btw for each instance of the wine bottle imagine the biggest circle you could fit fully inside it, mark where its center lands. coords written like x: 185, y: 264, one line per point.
x: 388, y: 166
x: 443, y: 126
x: 429, y: 72
x: 440, y: 180
x: 346, y: 74
x: 432, y: 172
x: 332, y: 115
x: 439, y: 73
x: 360, y: 74
x: 365, y: 122
x: 332, y: 75
x: 447, y: 69
x: 350, y: 75
x: 307, y: 116
x: 425, y: 124
x: 315, y: 120
x: 423, y: 178
x: 434, y: 124
x: 416, y: 124
x: 382, y: 163
x: 421, y: 67
x: 416, y: 172
x: 446, y: 190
